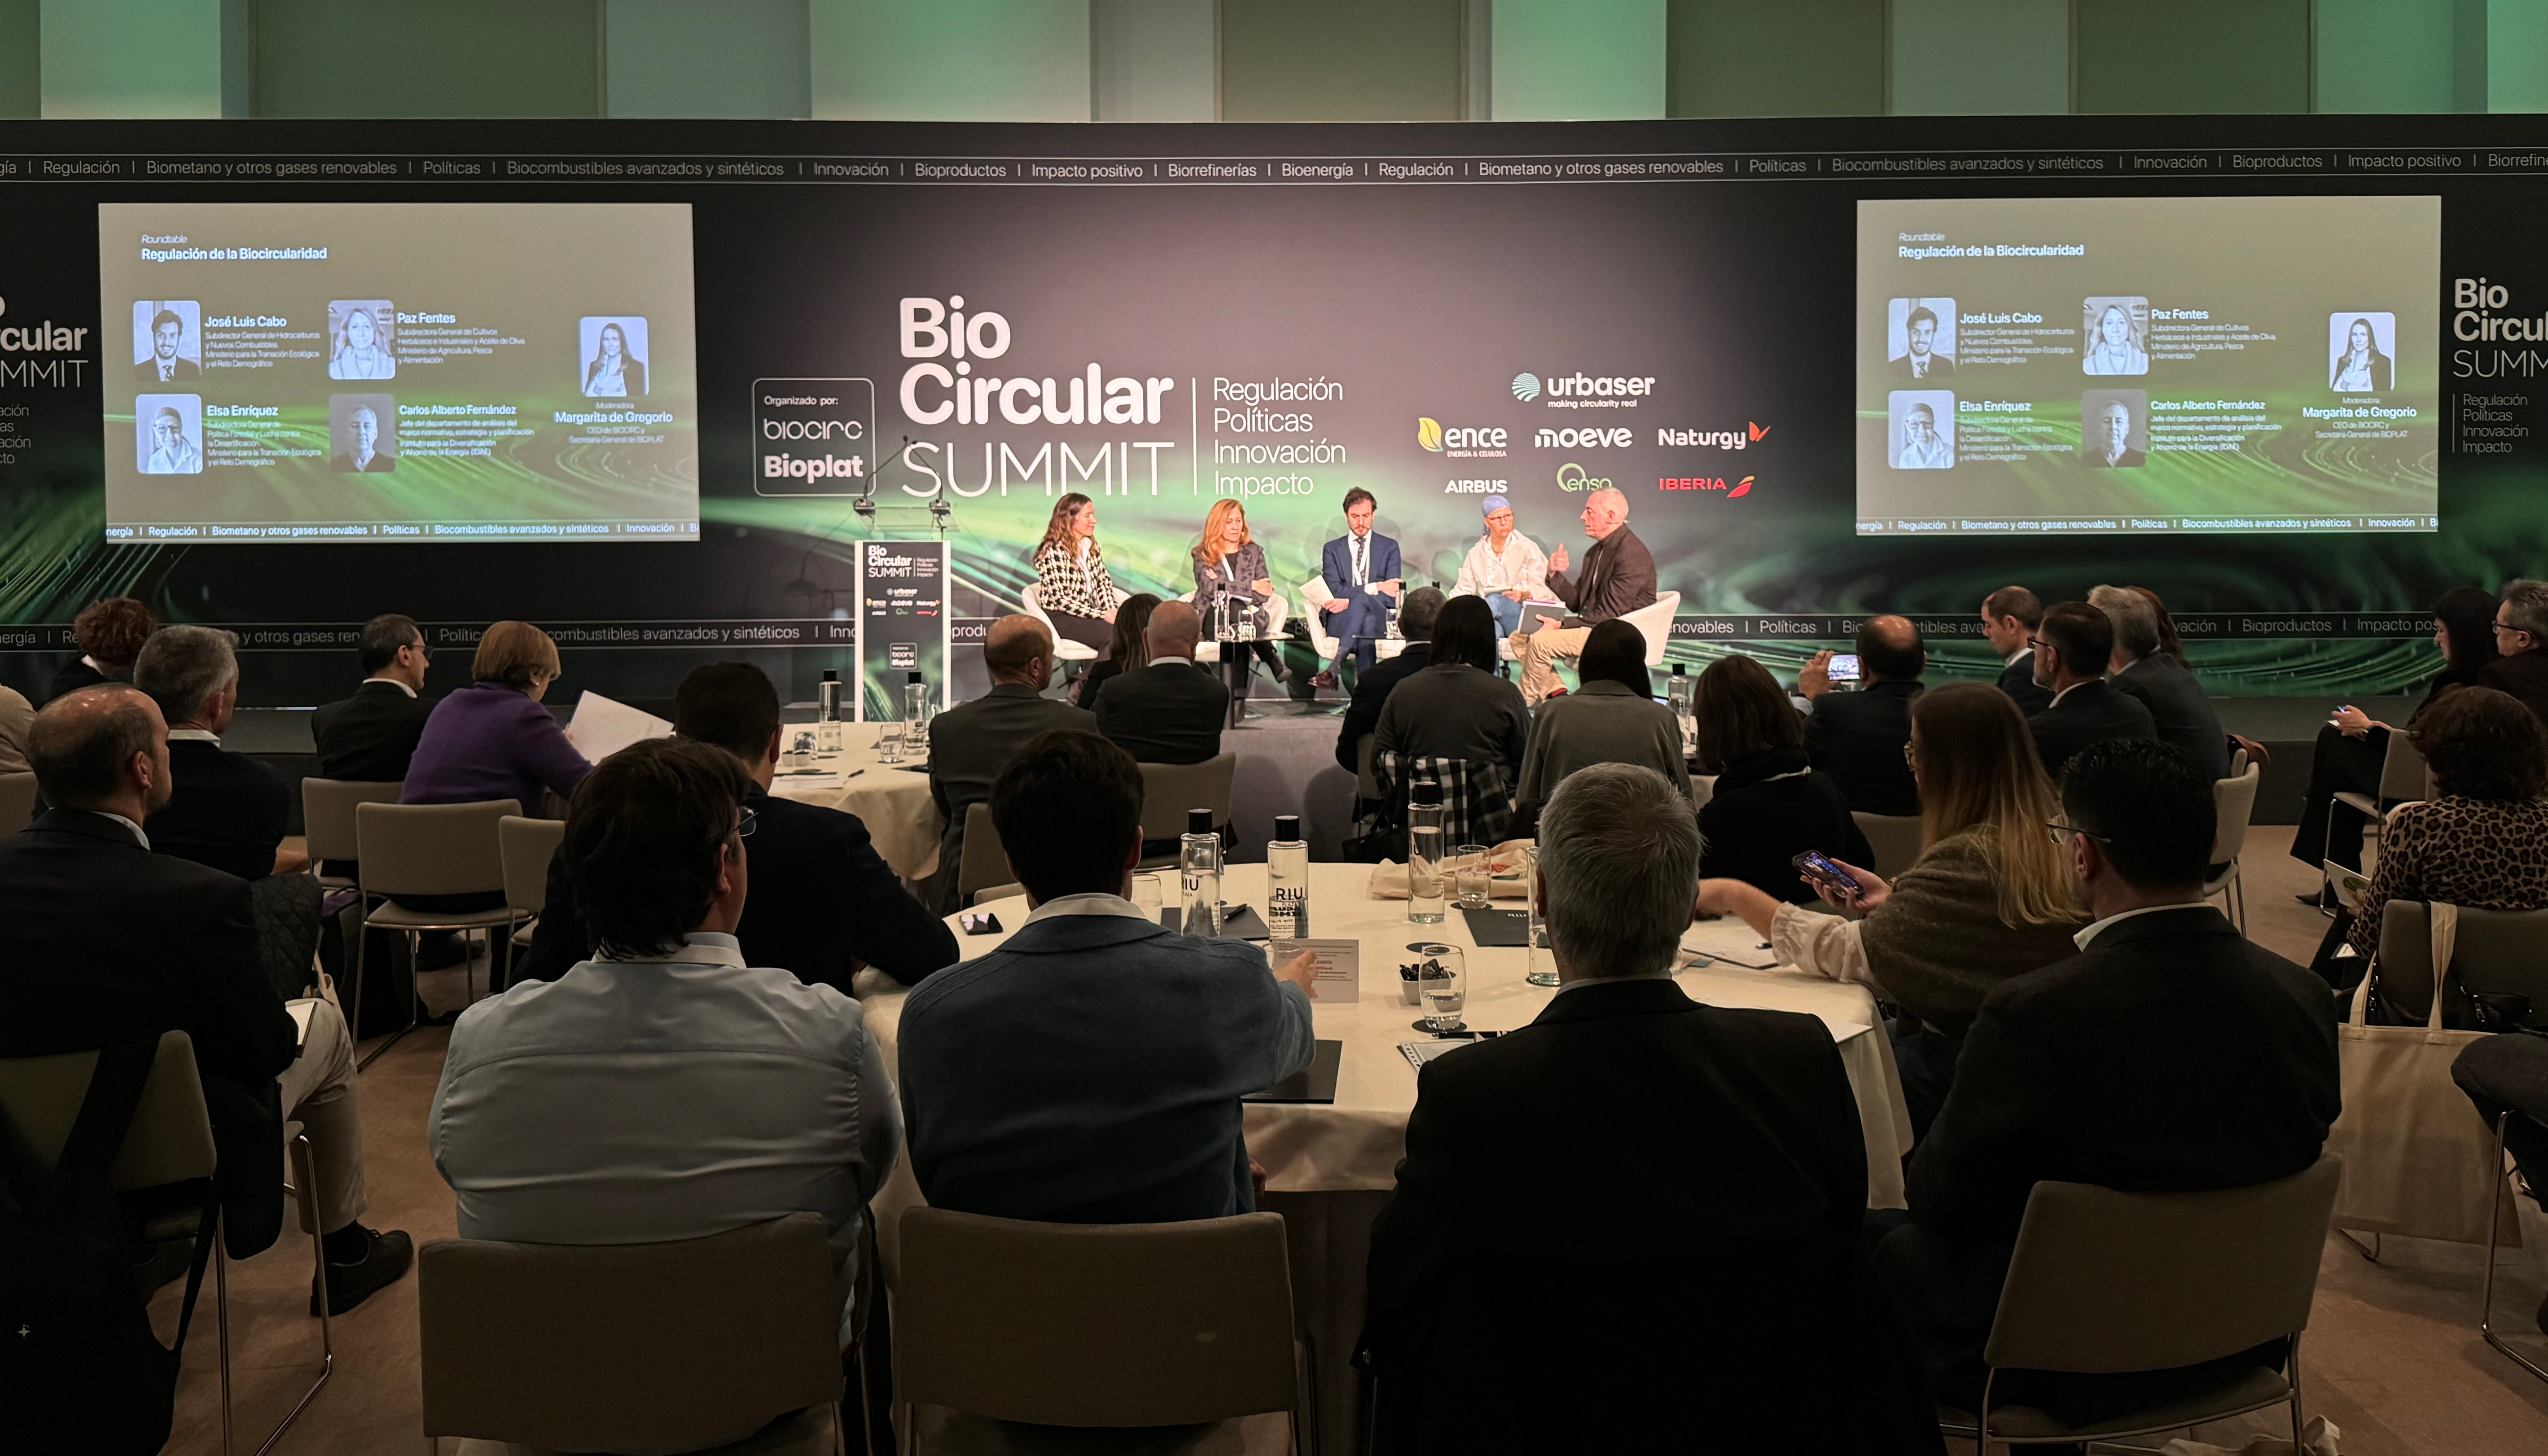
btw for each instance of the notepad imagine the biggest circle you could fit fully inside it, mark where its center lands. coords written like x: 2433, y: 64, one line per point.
x: 1730, y: 942
x: 1315, y: 1082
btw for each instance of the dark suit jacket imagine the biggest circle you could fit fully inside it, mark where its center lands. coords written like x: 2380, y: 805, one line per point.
x: 822, y: 899
x: 1166, y: 713
x: 1734, y: 1128
x: 1335, y: 567
x: 2017, y: 680
x: 225, y: 810
x: 2059, y: 1080
x: 1614, y: 578
x: 2178, y: 709
x: 1858, y: 738
x: 1770, y: 808
x: 103, y: 942
x: 370, y: 736
x: 969, y: 743
x: 74, y: 676
x: 2523, y: 674
x: 1371, y: 691
x: 2091, y: 712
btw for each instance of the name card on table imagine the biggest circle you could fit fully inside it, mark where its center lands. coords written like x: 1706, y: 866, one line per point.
x: 1337, y: 968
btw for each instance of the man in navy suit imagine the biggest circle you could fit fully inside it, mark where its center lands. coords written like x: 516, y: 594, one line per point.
x: 1360, y: 569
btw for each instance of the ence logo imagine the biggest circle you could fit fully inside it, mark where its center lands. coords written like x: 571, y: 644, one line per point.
x: 1525, y: 387
x: 1458, y: 440
x: 1571, y: 478
x: 1740, y: 489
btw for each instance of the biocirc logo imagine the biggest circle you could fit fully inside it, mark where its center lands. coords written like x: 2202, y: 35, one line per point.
x: 1525, y: 387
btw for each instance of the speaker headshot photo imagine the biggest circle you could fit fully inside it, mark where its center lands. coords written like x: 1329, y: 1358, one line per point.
x: 2117, y: 330
x: 362, y: 434
x: 614, y: 358
x: 358, y: 338
x: 168, y: 434
x: 1920, y: 430
x: 1920, y: 338
x: 2114, y: 429
x: 167, y: 341
x: 2362, y: 343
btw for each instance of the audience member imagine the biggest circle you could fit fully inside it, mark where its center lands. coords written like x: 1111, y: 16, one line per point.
x: 370, y: 736
x: 1172, y: 711
x: 1734, y: 1128
x: 2509, y: 1074
x: 2520, y: 667
x: 971, y: 742
x: 2353, y: 746
x: 1089, y: 1070
x: 1611, y: 718
x: 2060, y: 1080
x: 1618, y: 578
x: 1986, y: 902
x: 2071, y: 651
x: 225, y: 810
x: 2010, y: 616
x: 1857, y: 736
x: 1371, y: 689
x: 2139, y: 664
x: 493, y: 740
x: 1455, y: 707
x: 824, y: 902
x: 1769, y: 803
x: 666, y: 1088
x: 109, y: 634
x: 1127, y: 652
x: 17, y: 715
x: 103, y: 942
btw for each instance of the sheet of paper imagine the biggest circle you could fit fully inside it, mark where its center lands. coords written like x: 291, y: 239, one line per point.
x: 1339, y: 966
x: 2348, y: 885
x: 1420, y: 1053
x: 1730, y: 941
x: 300, y: 1012
x: 821, y: 778
x: 602, y: 726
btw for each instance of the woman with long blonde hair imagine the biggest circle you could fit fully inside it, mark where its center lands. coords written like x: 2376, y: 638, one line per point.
x: 1989, y: 898
x: 1227, y: 562
x: 1071, y: 582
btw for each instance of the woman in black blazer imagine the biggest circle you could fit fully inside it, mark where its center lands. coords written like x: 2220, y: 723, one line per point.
x: 1229, y: 562
x: 1770, y: 804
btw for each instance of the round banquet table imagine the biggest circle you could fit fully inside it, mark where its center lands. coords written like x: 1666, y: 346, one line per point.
x: 893, y: 799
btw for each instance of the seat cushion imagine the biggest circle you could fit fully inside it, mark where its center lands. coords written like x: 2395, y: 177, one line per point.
x: 2254, y: 1388
x: 805, y: 1433
x: 391, y: 915
x: 939, y: 1432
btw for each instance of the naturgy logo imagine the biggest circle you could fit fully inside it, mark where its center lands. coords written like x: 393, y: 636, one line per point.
x: 1718, y: 439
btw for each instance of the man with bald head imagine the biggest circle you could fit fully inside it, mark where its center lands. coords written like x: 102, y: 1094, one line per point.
x: 1860, y: 738
x: 1172, y: 711
x: 103, y: 944
x: 1618, y: 578
x: 971, y: 743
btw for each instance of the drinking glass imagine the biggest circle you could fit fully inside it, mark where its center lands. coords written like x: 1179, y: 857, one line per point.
x: 1146, y: 896
x: 827, y: 736
x: 889, y: 744
x: 1443, y: 985
x: 1542, y: 969
x: 1472, y: 877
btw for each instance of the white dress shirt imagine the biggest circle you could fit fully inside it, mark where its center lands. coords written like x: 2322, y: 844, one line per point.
x: 1522, y: 567
x: 2085, y: 936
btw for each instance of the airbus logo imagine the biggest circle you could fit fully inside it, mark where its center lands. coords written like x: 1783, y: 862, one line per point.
x: 1525, y: 387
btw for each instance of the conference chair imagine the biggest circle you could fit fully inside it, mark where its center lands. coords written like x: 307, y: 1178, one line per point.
x: 986, y: 860
x: 1094, y: 1325
x: 693, y: 1345
x: 2402, y: 777
x: 2496, y: 954
x: 327, y: 820
x: 17, y: 802
x: 1031, y: 599
x: 432, y: 849
x: 1168, y: 790
x: 1315, y: 597
x: 2108, y: 1283
x: 1656, y: 622
x: 2233, y: 808
x: 2494, y: 1229
x: 1894, y: 839
x: 527, y: 846
x: 169, y: 1151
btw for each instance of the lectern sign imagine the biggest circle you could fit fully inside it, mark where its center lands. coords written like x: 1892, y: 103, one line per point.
x: 902, y: 625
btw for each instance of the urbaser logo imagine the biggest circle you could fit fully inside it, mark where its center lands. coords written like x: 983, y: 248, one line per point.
x: 1735, y: 491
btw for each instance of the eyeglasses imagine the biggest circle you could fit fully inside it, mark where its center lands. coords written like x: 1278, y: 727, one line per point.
x: 2062, y: 833
x: 1910, y: 758
x: 749, y: 822
x: 2033, y: 642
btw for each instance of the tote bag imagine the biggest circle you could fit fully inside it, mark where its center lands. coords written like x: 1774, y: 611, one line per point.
x: 2419, y: 1160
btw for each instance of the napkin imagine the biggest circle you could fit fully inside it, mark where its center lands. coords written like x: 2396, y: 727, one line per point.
x: 1389, y: 877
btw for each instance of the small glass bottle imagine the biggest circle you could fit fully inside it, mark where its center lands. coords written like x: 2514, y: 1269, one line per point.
x: 1541, y: 967
x: 915, y: 713
x: 1198, y: 876
x: 827, y: 697
x: 1287, y: 881
x: 1683, y: 692
x: 1424, y: 874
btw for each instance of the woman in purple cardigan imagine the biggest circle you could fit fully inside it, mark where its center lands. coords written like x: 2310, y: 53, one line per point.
x: 492, y: 740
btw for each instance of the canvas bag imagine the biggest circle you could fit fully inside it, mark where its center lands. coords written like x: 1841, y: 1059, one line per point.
x: 2418, y: 1161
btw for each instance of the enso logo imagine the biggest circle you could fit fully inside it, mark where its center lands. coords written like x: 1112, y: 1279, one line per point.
x: 1571, y: 478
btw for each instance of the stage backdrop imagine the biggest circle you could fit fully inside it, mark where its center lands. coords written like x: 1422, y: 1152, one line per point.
x: 632, y: 381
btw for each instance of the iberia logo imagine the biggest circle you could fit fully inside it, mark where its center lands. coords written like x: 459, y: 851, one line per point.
x: 1735, y: 491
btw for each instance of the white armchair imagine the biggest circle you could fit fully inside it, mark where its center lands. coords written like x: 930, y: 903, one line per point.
x: 1314, y: 596
x: 1656, y: 622
x: 1063, y: 649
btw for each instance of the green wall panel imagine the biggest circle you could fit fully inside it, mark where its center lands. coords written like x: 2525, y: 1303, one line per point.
x: 449, y: 59
x: 1342, y: 61
x: 2193, y: 55
x: 951, y: 61
x: 732, y: 58
x: 1579, y: 60
x: 1980, y: 57
x: 2516, y: 55
x: 2385, y: 56
x: 130, y: 58
x: 22, y: 92
x: 1776, y: 58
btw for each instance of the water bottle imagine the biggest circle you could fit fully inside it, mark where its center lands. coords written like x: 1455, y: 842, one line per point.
x: 827, y: 697
x: 1287, y: 881
x: 1198, y: 876
x: 915, y: 712
x: 1425, y: 853
x: 1683, y: 692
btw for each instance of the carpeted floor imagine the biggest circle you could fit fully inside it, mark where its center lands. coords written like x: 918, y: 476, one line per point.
x: 2391, y: 1357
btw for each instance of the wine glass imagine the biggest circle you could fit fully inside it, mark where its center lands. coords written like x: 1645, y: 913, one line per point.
x: 1442, y: 982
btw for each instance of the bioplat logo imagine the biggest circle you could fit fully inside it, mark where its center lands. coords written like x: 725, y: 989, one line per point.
x: 1525, y: 387
x: 1571, y: 479
x: 1461, y: 441
x: 1736, y: 492
x: 941, y: 334
x: 1714, y: 440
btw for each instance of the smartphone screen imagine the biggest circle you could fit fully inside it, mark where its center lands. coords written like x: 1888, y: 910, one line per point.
x: 1816, y: 865
x: 1843, y: 666
x: 980, y: 922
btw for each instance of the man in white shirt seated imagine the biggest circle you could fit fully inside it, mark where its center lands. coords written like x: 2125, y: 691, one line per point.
x: 662, y: 1090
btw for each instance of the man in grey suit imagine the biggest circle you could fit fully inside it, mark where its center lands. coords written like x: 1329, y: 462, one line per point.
x: 1089, y: 1070
x: 1172, y: 711
x: 971, y: 743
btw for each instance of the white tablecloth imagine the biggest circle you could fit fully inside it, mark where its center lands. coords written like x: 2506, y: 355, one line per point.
x: 893, y: 799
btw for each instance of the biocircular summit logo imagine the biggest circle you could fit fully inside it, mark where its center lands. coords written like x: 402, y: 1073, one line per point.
x: 1525, y: 387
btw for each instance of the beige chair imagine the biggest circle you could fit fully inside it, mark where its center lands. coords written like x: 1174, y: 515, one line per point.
x: 17, y: 802
x: 1031, y: 601
x: 1073, y: 1324
x: 169, y: 1146
x: 2108, y: 1283
x: 2497, y: 951
x: 691, y: 1345
x: 527, y: 846
x: 987, y: 861
x: 1168, y: 790
x: 2233, y: 808
x: 327, y: 819
x: 2403, y: 776
x: 432, y: 849
x: 1894, y: 837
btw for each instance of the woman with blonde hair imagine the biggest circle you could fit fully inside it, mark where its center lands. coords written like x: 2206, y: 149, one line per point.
x: 493, y: 740
x: 1229, y: 563
x: 1989, y: 898
x: 1071, y: 582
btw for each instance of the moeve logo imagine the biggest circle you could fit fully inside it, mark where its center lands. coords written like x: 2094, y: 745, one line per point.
x: 1525, y: 387
x: 1571, y: 478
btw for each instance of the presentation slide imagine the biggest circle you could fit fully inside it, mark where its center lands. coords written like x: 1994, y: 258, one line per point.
x: 2111, y: 365
x: 398, y: 372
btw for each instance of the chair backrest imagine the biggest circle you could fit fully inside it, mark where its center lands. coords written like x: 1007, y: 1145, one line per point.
x: 1896, y: 839
x: 2496, y: 952
x: 2104, y: 1283
x: 431, y: 849
x: 327, y: 812
x: 1094, y: 1325
x: 2404, y: 774
x: 1656, y: 621
x: 17, y: 802
x: 986, y: 860
x: 1366, y: 786
x: 1170, y: 789
x: 661, y: 1346
x: 2233, y: 805
x: 171, y: 1137
x: 527, y: 846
